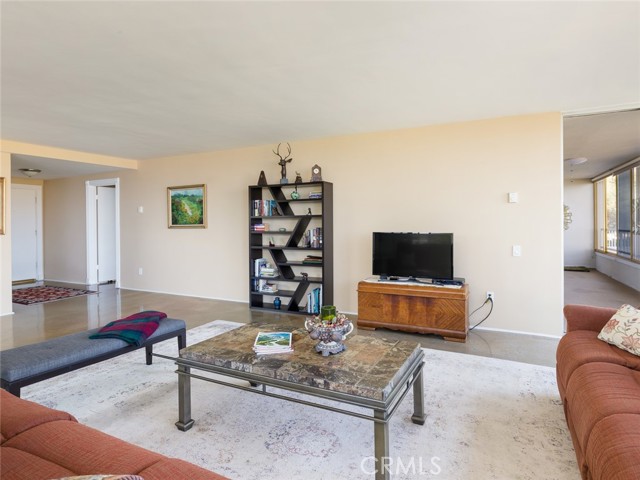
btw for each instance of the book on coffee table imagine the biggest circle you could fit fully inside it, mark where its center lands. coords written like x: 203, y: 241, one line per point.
x: 272, y: 342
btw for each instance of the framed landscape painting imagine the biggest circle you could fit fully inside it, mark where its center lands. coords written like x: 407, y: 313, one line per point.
x: 187, y: 206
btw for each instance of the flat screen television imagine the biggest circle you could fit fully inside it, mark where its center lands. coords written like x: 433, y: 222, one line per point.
x: 413, y: 255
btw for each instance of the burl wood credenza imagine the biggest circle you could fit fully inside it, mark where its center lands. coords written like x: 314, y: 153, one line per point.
x: 415, y: 308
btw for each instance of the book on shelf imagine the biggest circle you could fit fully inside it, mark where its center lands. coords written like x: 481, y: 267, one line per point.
x: 262, y: 286
x: 265, y: 208
x: 314, y: 300
x: 262, y: 268
x: 315, y: 195
x: 269, y: 288
x: 268, y: 272
x: 273, y: 342
x: 258, y: 265
x: 312, y: 260
x: 313, y: 238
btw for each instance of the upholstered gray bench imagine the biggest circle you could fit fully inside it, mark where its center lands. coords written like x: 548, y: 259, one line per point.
x: 30, y: 364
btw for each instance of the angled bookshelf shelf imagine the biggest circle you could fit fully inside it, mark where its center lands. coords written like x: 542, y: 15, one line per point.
x: 291, y: 246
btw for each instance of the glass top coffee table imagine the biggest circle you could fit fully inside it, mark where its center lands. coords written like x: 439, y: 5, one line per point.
x: 372, y: 373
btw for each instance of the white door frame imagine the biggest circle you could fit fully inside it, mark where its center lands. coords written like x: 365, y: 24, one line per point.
x: 39, y: 240
x: 92, y: 237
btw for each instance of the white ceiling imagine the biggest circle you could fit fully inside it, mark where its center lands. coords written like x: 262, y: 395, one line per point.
x: 53, y: 168
x: 605, y: 140
x: 145, y: 79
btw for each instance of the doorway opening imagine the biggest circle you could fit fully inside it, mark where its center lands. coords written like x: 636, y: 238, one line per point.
x: 103, y: 231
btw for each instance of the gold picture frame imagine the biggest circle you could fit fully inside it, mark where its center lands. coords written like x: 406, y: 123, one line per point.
x: 187, y: 206
x: 3, y: 204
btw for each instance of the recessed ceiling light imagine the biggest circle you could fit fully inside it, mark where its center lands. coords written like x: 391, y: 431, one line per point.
x: 576, y: 161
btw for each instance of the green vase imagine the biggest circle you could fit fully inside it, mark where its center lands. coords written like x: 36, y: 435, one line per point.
x: 327, y: 312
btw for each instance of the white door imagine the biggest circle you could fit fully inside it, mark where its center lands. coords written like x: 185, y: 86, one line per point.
x: 106, y: 226
x: 24, y: 236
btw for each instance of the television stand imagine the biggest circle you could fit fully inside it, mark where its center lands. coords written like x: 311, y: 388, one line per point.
x: 415, y: 308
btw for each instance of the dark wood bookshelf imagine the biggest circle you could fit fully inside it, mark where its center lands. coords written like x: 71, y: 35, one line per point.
x: 288, y: 257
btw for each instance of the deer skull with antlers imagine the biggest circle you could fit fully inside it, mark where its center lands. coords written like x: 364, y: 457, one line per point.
x: 283, y: 162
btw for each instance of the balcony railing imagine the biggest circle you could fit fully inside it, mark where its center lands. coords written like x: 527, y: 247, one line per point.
x: 619, y: 241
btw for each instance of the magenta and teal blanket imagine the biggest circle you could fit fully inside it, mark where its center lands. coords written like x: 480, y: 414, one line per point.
x: 134, y: 329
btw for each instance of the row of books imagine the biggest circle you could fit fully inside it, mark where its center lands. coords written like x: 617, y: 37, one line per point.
x: 258, y: 265
x: 313, y: 238
x: 314, y: 300
x: 265, y: 208
x: 268, y: 271
x: 273, y: 342
x: 261, y: 227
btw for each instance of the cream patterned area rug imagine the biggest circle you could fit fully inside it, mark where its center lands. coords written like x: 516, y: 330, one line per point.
x: 486, y: 419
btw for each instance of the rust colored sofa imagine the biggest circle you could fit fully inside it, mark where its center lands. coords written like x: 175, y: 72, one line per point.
x: 41, y: 443
x: 600, y: 388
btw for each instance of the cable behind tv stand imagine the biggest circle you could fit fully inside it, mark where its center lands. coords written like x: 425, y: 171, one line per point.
x: 415, y: 307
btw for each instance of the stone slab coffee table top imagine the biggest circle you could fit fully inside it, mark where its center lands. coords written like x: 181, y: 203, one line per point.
x: 369, y: 367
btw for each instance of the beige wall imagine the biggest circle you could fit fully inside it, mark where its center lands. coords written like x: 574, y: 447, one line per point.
x: 64, y: 225
x: 5, y: 240
x: 26, y: 181
x: 446, y: 178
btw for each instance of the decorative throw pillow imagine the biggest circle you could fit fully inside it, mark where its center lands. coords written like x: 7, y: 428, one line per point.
x: 623, y: 330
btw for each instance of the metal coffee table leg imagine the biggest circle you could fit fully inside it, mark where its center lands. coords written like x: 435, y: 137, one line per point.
x: 185, y: 422
x: 418, y: 400
x: 381, y: 442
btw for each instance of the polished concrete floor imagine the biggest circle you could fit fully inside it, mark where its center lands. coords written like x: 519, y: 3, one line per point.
x: 35, y: 323
x: 595, y: 288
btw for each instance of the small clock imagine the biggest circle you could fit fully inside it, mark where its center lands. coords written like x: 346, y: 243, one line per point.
x: 316, y: 173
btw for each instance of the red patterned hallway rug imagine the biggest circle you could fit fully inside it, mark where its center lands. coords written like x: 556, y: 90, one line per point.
x: 32, y: 295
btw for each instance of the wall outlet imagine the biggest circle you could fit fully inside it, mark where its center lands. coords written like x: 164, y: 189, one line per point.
x: 490, y: 295
x: 140, y: 271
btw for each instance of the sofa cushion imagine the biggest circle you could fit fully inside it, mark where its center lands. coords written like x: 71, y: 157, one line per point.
x: 586, y: 317
x: 18, y: 415
x: 20, y: 465
x: 614, y: 448
x: 582, y: 346
x: 599, y: 390
x: 103, y: 477
x: 623, y: 329
x: 53, y: 442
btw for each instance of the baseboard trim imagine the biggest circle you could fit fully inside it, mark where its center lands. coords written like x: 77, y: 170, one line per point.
x: 71, y: 282
x: 183, y: 294
x: 518, y: 332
